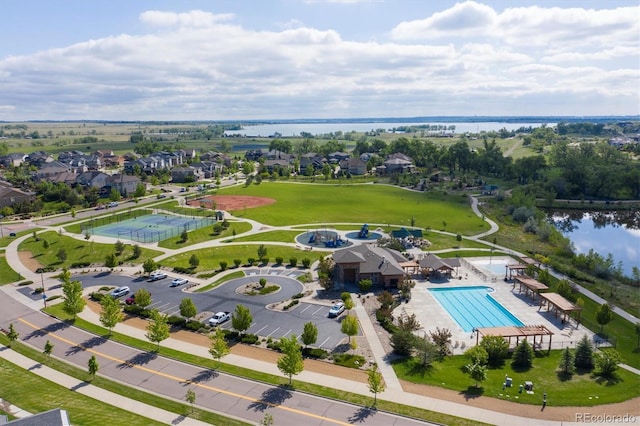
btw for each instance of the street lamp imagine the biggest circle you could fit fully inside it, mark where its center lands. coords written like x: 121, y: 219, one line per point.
x: 44, y: 296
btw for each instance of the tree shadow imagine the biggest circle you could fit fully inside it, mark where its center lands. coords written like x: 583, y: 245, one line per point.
x: 102, y: 274
x: 79, y: 386
x: 420, y: 369
x: 519, y: 368
x: 51, y: 328
x: 564, y: 376
x: 202, y: 376
x: 87, y: 344
x: 472, y: 392
x: 140, y: 358
x: 272, y: 397
x: 609, y: 379
x: 362, y: 414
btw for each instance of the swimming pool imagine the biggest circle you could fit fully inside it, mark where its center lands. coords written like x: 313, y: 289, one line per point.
x: 473, y: 307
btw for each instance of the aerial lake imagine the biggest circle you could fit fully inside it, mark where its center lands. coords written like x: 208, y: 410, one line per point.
x: 294, y: 129
x: 614, y: 233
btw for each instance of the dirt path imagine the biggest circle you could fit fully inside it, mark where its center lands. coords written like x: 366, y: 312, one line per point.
x: 27, y: 259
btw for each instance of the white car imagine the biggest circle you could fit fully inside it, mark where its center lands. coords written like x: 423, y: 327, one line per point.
x: 336, y: 310
x: 219, y: 318
x: 120, y: 291
x: 178, y: 282
x: 157, y: 275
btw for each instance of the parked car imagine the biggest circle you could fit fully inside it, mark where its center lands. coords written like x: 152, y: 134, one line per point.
x: 131, y: 299
x: 113, y: 204
x: 157, y: 275
x: 178, y: 282
x: 219, y: 318
x: 336, y: 310
x: 120, y: 291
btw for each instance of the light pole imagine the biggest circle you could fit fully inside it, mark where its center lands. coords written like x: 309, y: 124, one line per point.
x: 44, y: 296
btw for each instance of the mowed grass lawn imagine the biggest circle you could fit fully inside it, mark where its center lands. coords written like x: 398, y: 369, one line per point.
x: 205, y: 234
x: 580, y: 390
x: 358, y: 204
x: 77, y: 250
x: 35, y: 394
x: 210, y: 258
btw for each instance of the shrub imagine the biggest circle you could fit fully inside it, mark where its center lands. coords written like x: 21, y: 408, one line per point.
x: 45, y: 269
x: 298, y: 296
x: 182, y: 270
x: 279, y: 260
x: 223, y: 265
x: 306, y: 262
x: 80, y: 265
x: 57, y: 296
x: 23, y: 283
x: 176, y: 321
x: 129, y: 309
x: 237, y: 262
x: 38, y: 290
x: 264, y: 260
x: 290, y: 305
x: 349, y: 360
x: 96, y: 296
x: 497, y: 349
x: 293, y: 262
x: 317, y: 353
x: 250, y: 339
x: 193, y: 325
x: 275, y: 345
x: 251, y: 261
x: 207, y: 275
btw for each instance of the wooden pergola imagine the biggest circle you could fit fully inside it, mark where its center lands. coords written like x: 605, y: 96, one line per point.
x: 518, y: 332
x: 559, y: 304
x: 410, y: 267
x: 530, y: 285
x: 519, y: 269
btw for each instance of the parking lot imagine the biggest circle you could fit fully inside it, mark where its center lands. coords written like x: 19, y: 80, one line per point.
x: 267, y: 323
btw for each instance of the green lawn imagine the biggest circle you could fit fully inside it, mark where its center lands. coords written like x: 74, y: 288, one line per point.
x: 581, y: 390
x: 210, y: 258
x: 205, y: 234
x: 284, y: 236
x: 358, y: 204
x: 228, y: 277
x: 7, y: 274
x: 6, y: 240
x: 77, y: 250
x: 35, y: 394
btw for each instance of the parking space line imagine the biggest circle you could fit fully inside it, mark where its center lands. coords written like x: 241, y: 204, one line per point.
x: 325, y: 341
x: 305, y: 308
x: 258, y: 332
x: 285, y: 334
x: 318, y: 310
x: 269, y: 335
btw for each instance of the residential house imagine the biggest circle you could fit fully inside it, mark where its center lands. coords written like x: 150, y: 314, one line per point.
x: 93, y: 179
x: 185, y: 173
x: 311, y: 159
x: 354, y: 166
x: 216, y: 157
x: 337, y: 157
x: 38, y: 158
x: 14, y: 159
x: 125, y: 184
x: 253, y: 154
x: 51, y: 169
x: 10, y: 196
x: 398, y: 163
x: 365, y: 261
x: 68, y: 178
x: 209, y: 168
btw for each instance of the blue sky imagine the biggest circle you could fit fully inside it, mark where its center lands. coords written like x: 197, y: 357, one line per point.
x: 245, y: 59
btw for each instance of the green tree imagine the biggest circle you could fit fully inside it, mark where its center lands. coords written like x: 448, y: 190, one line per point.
x: 241, y: 319
x: 310, y: 334
x: 143, y: 298
x: 45, y: 244
x: 110, y: 312
x: 403, y: 342
x: 140, y: 191
x: 442, y: 339
x: 184, y: 236
x: 523, y: 355
x: 636, y: 329
x: 267, y: 420
x: 158, y: 328
x: 190, y: 397
x: 48, y: 348
x: 119, y: 247
x: 604, y: 315
x: 477, y: 354
x: 219, y: 347
x: 606, y: 362
x: 137, y: 251
x: 111, y: 261
x: 194, y: 261
x: 426, y: 350
x: 149, y: 266
x: 12, y: 334
x: 290, y: 362
x: 114, y: 195
x: 477, y: 372
x: 566, y: 366
x: 376, y: 382
x: 584, y: 354
x: 73, y: 302
x: 365, y: 285
x: 62, y: 255
x: 349, y: 326
x: 262, y: 252
x: 497, y: 349
x: 93, y: 366
x: 188, y: 308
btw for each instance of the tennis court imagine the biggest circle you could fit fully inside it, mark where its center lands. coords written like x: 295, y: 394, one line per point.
x: 150, y: 228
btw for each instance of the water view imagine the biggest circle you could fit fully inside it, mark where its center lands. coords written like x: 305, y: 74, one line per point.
x: 294, y: 129
x: 615, y: 233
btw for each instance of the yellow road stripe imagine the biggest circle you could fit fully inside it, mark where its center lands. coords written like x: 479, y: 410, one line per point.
x: 182, y: 380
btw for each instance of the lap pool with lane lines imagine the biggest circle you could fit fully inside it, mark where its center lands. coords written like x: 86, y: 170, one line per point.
x: 473, y: 307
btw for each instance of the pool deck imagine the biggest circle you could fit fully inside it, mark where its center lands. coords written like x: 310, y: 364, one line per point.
x: 431, y: 315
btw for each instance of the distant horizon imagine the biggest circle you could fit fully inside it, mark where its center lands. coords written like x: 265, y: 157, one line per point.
x: 403, y: 119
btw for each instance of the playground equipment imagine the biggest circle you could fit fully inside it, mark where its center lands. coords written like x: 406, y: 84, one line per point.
x: 364, y: 231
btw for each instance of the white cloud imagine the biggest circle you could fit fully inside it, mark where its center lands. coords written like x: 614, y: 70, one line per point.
x: 199, y: 65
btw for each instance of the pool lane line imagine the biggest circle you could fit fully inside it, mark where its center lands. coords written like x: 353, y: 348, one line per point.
x: 187, y: 381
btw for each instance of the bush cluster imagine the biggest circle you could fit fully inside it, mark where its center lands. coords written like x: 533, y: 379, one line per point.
x: 290, y: 305
x: 77, y: 265
x: 317, y: 353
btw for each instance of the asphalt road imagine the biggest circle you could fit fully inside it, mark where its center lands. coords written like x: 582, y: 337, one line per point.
x: 266, y: 322
x: 225, y: 394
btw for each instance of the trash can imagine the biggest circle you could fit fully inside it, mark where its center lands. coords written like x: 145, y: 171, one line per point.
x: 528, y: 385
x: 508, y: 382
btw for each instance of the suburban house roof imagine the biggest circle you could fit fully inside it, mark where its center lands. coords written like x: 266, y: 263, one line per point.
x: 371, y: 259
x: 431, y: 261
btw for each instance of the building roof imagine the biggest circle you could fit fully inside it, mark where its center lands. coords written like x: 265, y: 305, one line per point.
x: 405, y: 233
x: 560, y: 302
x: 55, y: 417
x: 371, y: 259
x: 431, y: 261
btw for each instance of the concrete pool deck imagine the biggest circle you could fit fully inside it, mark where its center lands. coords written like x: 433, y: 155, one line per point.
x: 431, y: 314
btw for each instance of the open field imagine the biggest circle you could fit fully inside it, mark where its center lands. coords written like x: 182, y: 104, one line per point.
x: 358, y: 204
x: 581, y: 390
x: 205, y: 234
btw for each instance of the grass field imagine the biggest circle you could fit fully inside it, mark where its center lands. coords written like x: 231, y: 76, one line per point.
x: 35, y: 394
x: 77, y: 250
x: 581, y: 390
x: 7, y: 274
x: 210, y: 258
x: 358, y: 204
x: 203, y: 234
